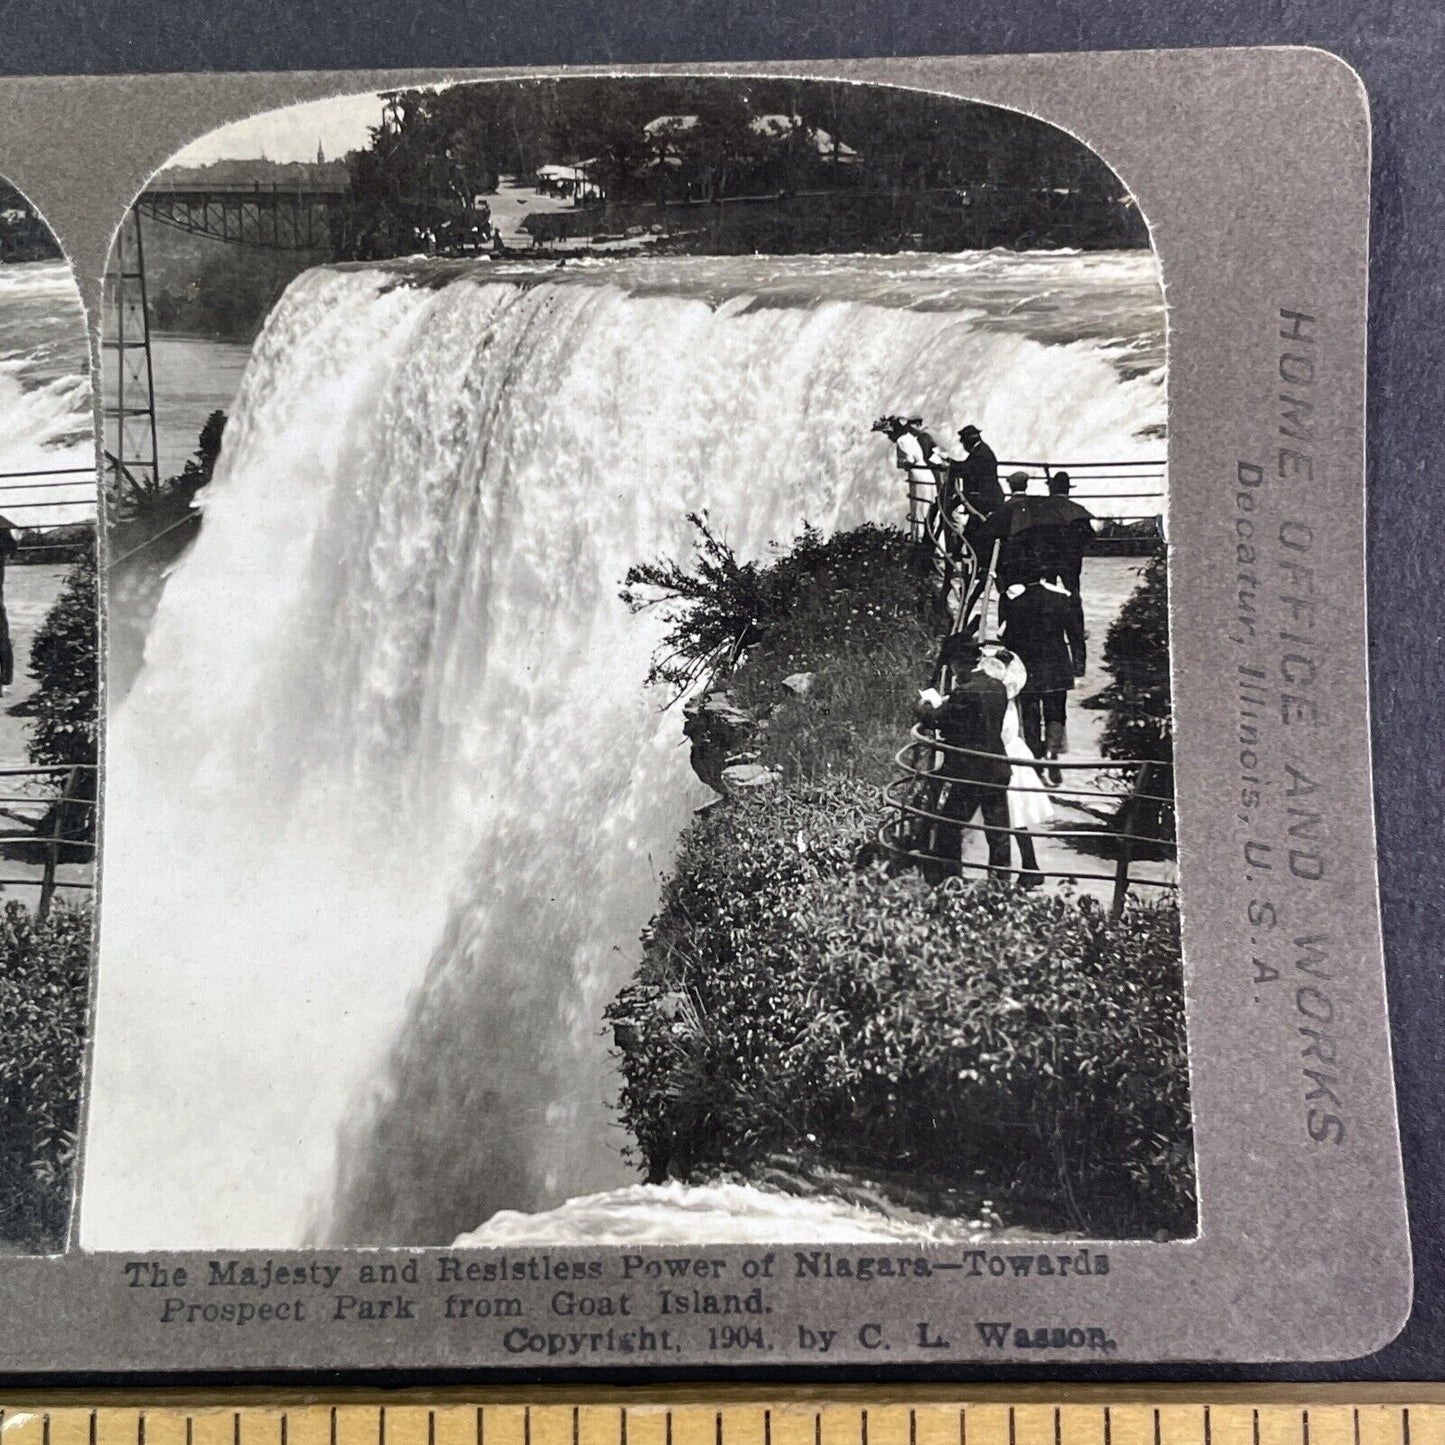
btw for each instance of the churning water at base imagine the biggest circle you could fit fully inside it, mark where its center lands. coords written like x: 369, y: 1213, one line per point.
x: 45, y: 419
x: 389, y: 805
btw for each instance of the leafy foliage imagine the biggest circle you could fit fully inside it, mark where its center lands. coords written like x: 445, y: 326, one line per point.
x: 65, y: 707
x: 24, y: 236
x: 1139, y: 699
x: 668, y: 139
x: 142, y: 508
x: 791, y: 1002
x: 44, y: 992
x: 823, y: 595
x: 65, y: 662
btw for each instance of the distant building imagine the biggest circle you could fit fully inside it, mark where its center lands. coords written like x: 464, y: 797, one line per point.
x: 774, y: 127
x: 575, y: 182
x: 780, y: 127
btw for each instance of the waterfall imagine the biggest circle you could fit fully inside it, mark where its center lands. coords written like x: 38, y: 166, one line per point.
x: 389, y: 805
x: 45, y: 417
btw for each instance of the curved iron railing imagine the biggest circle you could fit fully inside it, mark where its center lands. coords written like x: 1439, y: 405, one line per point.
x: 60, y: 808
x: 911, y: 832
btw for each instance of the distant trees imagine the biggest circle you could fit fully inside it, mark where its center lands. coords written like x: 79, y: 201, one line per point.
x: 198, y: 286
x: 421, y: 174
x: 689, y: 138
x: 23, y: 235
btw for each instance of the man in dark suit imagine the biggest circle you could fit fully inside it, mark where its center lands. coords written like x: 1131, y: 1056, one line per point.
x: 970, y: 715
x: 1061, y: 534
x: 1044, y: 628
x: 975, y: 477
x: 8, y: 548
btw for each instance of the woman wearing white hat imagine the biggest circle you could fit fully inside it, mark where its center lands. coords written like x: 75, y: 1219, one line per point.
x: 1029, y: 807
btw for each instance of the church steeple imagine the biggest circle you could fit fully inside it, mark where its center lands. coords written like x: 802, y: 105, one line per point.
x: 320, y: 154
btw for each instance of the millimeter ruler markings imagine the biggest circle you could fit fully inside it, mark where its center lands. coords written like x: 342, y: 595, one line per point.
x: 721, y: 1422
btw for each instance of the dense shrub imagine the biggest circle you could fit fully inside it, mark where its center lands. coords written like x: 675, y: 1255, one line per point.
x: 848, y: 591
x: 864, y: 619
x: 65, y: 707
x: 793, y: 1003
x: 44, y: 988
x: 1138, y: 699
x: 65, y: 662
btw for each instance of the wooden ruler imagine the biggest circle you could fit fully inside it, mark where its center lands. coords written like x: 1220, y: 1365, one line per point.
x: 1404, y: 1415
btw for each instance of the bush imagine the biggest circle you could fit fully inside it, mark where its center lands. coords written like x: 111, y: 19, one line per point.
x: 44, y: 992
x: 1139, y: 700
x: 864, y: 616
x: 65, y: 708
x: 848, y: 591
x: 792, y: 1003
x: 65, y: 662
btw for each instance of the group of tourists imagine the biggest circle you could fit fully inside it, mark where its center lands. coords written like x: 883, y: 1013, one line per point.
x: 998, y: 709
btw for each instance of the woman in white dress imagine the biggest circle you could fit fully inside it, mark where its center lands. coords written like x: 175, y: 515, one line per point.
x: 1029, y: 807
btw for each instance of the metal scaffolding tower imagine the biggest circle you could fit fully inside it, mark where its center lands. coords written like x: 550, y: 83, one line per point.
x: 130, y: 412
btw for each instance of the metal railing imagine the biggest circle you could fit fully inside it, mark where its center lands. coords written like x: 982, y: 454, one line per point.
x: 913, y: 831
x: 24, y: 481
x: 1144, y: 476
x: 59, y: 810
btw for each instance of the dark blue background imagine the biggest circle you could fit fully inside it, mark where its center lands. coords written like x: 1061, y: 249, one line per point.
x: 1398, y: 46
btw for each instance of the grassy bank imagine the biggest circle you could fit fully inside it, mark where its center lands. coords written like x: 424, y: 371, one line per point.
x: 803, y: 1005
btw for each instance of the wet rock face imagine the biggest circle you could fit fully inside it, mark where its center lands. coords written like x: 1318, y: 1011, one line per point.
x: 749, y: 776
x: 725, y: 739
x: 719, y: 732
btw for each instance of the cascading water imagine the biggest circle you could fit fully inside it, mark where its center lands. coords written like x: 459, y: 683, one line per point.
x: 45, y: 417
x: 389, y: 806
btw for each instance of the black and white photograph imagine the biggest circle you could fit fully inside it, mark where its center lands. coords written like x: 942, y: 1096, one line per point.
x: 49, y: 704
x: 639, y: 680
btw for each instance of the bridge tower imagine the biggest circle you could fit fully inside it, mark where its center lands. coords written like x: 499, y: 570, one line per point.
x: 131, y: 451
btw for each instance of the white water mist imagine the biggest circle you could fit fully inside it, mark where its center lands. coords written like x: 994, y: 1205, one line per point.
x: 388, y: 806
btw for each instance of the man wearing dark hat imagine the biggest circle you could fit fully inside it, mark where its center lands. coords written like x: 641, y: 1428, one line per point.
x: 1007, y: 528
x: 1044, y: 628
x: 970, y: 715
x: 1064, y: 538
x: 974, y: 478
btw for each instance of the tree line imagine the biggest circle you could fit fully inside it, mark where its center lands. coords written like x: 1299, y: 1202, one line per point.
x: 23, y: 235
x: 663, y: 140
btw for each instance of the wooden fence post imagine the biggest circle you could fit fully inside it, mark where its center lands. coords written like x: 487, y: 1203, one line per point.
x: 52, y: 850
x: 1128, y: 814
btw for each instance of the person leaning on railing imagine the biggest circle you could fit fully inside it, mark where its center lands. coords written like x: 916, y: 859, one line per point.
x: 970, y: 493
x: 970, y: 715
x: 913, y: 452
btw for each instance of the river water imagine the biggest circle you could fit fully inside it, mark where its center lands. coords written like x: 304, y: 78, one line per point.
x: 388, y: 805
x: 46, y: 430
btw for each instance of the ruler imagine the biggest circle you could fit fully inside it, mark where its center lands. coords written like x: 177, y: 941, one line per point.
x: 1220, y: 1416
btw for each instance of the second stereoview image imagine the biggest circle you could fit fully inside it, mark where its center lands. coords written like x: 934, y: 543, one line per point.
x: 639, y: 680
x: 49, y: 726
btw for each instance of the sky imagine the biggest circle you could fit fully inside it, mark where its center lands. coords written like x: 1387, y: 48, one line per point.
x: 292, y: 134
